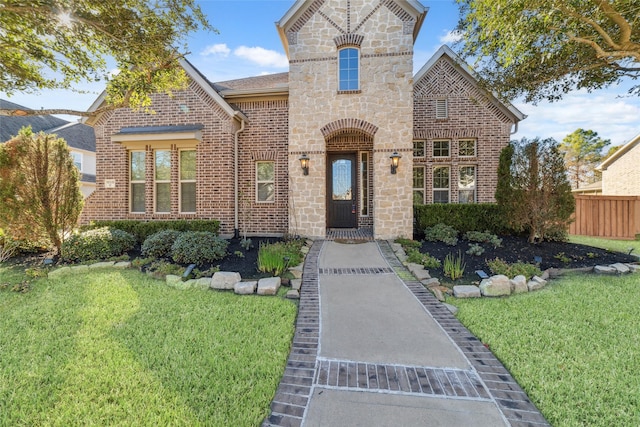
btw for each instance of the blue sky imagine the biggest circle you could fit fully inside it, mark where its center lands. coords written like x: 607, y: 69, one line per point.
x: 248, y: 45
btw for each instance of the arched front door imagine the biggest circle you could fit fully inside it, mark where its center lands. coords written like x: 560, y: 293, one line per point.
x: 342, y: 192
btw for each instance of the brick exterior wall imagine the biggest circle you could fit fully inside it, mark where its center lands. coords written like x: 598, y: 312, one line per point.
x: 470, y: 116
x: 622, y: 177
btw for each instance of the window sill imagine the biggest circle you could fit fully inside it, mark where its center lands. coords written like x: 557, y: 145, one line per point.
x: 349, y: 92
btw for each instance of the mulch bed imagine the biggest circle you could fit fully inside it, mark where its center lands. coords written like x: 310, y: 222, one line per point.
x: 559, y: 255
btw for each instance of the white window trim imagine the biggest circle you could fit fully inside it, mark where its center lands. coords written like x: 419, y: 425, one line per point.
x: 442, y: 109
x: 340, y: 90
x: 263, y: 182
x: 181, y: 181
x: 433, y: 149
x: 131, y: 182
x: 424, y: 181
x: 434, y: 188
x: 161, y: 181
x: 475, y: 182
x: 475, y: 147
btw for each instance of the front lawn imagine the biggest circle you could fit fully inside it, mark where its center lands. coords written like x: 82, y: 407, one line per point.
x: 573, y: 346
x: 115, y: 347
x: 612, y: 245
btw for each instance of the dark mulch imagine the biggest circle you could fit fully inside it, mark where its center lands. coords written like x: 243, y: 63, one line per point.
x: 244, y: 261
x: 560, y: 255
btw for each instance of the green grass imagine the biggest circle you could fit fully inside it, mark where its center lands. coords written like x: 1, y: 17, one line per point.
x: 609, y: 244
x: 574, y: 346
x: 119, y: 348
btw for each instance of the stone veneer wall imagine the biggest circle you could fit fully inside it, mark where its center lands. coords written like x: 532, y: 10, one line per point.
x: 622, y: 177
x: 470, y: 116
x: 384, y: 101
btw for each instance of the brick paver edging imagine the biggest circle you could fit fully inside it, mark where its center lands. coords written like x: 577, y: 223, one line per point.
x: 512, y: 401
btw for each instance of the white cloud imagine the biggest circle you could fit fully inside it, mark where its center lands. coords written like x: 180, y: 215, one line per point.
x: 450, y: 37
x: 261, y: 56
x: 220, y: 49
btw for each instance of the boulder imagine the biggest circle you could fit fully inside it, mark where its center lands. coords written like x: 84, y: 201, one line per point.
x: 621, y: 268
x: 401, y: 255
x: 297, y: 271
x: 293, y: 294
x: 634, y: 268
x: 225, y: 280
x: 418, y: 271
x: 122, y: 264
x: 304, y: 250
x: 495, y: 286
x: 519, y: 285
x: 80, y: 268
x: 536, y: 283
x: 438, y: 294
x: 102, y: 264
x: 245, y: 288
x: 203, y: 283
x: 604, y: 269
x: 430, y: 283
x: 172, y: 279
x: 296, y: 284
x: 395, y: 247
x: 58, y: 272
x: 452, y: 308
x: 268, y: 286
x: 466, y: 291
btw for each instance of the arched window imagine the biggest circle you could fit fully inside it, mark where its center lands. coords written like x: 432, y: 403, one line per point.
x: 349, y: 69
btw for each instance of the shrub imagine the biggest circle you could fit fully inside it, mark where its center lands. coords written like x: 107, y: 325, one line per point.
x: 483, y: 237
x: 408, y: 243
x: 499, y: 266
x: 271, y: 257
x: 441, y: 233
x: 416, y: 257
x: 144, y: 229
x: 475, y: 249
x: 101, y: 243
x: 454, y: 266
x: 198, y: 247
x: 462, y: 217
x: 159, y: 244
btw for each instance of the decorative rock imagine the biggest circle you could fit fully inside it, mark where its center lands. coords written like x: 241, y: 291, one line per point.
x: 245, y: 288
x: 58, y: 272
x: 80, y: 268
x: 604, y: 269
x: 634, y: 268
x: 304, y: 250
x: 621, y: 268
x: 545, y: 275
x: 395, y: 247
x: 418, y: 271
x: 183, y: 285
x: 172, y: 279
x: 293, y: 294
x: 519, y: 285
x: 402, y: 255
x: 122, y: 264
x: 225, y: 280
x: 430, y: 283
x: 102, y: 264
x: 296, y: 284
x: 297, y: 271
x: 536, y: 283
x: 203, y: 283
x: 268, y: 286
x: 466, y: 291
x: 438, y: 294
x: 452, y: 308
x: 496, y: 286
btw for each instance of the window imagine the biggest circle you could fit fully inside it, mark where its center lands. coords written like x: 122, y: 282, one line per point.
x: 467, y: 148
x: 364, y: 184
x: 441, y: 184
x: 441, y: 109
x: 467, y: 185
x: 162, y: 181
x: 187, y: 181
x: 418, y: 148
x: 77, y: 160
x: 418, y: 185
x: 265, y: 181
x: 136, y: 181
x: 349, y: 69
x: 440, y: 148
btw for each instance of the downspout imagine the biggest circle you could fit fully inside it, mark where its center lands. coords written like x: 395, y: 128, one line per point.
x: 236, y: 231
x: 515, y: 130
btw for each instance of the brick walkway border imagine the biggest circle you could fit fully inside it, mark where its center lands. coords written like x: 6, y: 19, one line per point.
x: 303, y: 366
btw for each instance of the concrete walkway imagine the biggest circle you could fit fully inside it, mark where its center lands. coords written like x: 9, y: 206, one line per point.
x: 374, y: 348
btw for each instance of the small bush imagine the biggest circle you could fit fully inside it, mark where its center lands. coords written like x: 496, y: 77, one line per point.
x: 271, y: 257
x: 98, y: 244
x: 408, y: 243
x: 159, y: 244
x: 198, y: 247
x: 441, y: 233
x: 499, y: 266
x: 144, y: 229
x: 416, y: 257
x: 483, y: 237
x: 475, y: 249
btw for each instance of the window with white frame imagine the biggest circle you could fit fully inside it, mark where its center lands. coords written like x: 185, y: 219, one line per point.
x: 441, y: 148
x: 441, y: 109
x: 441, y: 178
x: 364, y: 184
x: 349, y: 69
x: 467, y: 185
x: 187, y: 181
x: 265, y: 181
x: 467, y: 148
x: 418, y: 148
x: 418, y: 185
x: 137, y: 181
x: 77, y: 160
x: 162, y: 180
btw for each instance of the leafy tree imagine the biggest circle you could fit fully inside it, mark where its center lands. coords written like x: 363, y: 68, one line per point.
x: 543, y: 49
x: 39, y: 188
x: 582, y: 153
x: 46, y: 44
x: 535, y: 195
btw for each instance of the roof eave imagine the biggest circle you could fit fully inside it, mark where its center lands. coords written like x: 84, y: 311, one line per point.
x: 615, y: 156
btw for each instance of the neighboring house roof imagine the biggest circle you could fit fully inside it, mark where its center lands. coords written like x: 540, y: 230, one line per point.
x: 77, y: 135
x: 267, y: 84
x: 10, y: 125
x: 445, y: 51
x: 590, y: 188
x: 621, y: 152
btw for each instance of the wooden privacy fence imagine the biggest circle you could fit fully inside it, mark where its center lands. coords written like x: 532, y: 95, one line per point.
x: 615, y: 217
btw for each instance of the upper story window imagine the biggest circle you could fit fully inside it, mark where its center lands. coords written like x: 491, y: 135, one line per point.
x: 467, y: 148
x: 442, y: 111
x: 418, y: 148
x: 349, y: 69
x: 441, y: 148
x: 77, y: 160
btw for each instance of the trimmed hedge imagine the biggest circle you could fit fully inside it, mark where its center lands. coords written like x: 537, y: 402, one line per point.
x: 143, y: 229
x: 198, y: 247
x: 159, y: 244
x: 462, y: 217
x: 99, y: 243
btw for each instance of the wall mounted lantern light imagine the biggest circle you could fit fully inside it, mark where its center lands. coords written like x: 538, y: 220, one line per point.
x: 395, y: 159
x: 304, y: 163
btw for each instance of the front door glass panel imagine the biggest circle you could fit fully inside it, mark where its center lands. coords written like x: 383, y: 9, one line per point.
x: 342, y: 180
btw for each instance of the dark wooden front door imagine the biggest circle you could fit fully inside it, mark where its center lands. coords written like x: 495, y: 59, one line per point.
x: 341, y: 191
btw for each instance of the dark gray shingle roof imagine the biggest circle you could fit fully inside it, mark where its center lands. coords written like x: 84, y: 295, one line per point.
x: 77, y: 135
x: 10, y: 125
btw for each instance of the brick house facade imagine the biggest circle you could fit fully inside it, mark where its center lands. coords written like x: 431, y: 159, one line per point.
x: 231, y: 150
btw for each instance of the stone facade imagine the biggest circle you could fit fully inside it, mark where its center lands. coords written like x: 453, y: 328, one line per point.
x: 620, y: 173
